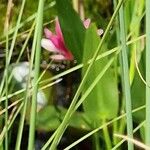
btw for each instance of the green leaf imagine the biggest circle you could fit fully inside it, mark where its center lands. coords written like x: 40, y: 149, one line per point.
x: 78, y: 120
x: 72, y: 28
x: 47, y: 119
x: 102, y: 103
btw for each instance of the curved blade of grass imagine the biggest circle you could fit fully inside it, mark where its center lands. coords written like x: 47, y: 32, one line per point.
x: 135, y: 27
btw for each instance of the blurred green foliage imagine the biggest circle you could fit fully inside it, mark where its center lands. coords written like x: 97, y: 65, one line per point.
x: 103, y: 102
x: 30, y: 9
x: 99, y: 11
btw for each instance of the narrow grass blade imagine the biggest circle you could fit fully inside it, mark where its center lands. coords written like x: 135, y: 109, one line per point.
x: 38, y: 30
x: 147, y: 129
x: 6, y: 85
x: 125, y: 77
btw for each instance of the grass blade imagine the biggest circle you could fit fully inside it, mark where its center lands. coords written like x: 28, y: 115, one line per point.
x: 38, y: 32
x: 6, y: 84
x: 125, y: 77
x: 147, y: 130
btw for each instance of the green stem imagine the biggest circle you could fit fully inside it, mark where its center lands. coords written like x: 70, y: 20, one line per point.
x: 107, y: 137
x: 95, y: 138
x: 6, y: 88
x: 38, y: 31
x: 125, y: 74
x: 96, y: 142
x: 122, y: 126
x: 115, y: 130
x: 115, y: 124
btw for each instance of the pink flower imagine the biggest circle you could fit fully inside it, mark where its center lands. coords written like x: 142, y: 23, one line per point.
x: 55, y: 42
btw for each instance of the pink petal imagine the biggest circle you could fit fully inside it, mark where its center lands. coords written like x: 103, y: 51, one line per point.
x: 58, y: 57
x: 59, y: 44
x: 62, y: 57
x: 86, y: 23
x: 48, y: 45
x: 58, y: 30
x: 68, y: 55
x: 48, y: 33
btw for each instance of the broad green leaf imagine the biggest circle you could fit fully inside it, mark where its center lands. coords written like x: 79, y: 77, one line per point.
x: 49, y: 118
x: 102, y: 103
x: 72, y: 28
